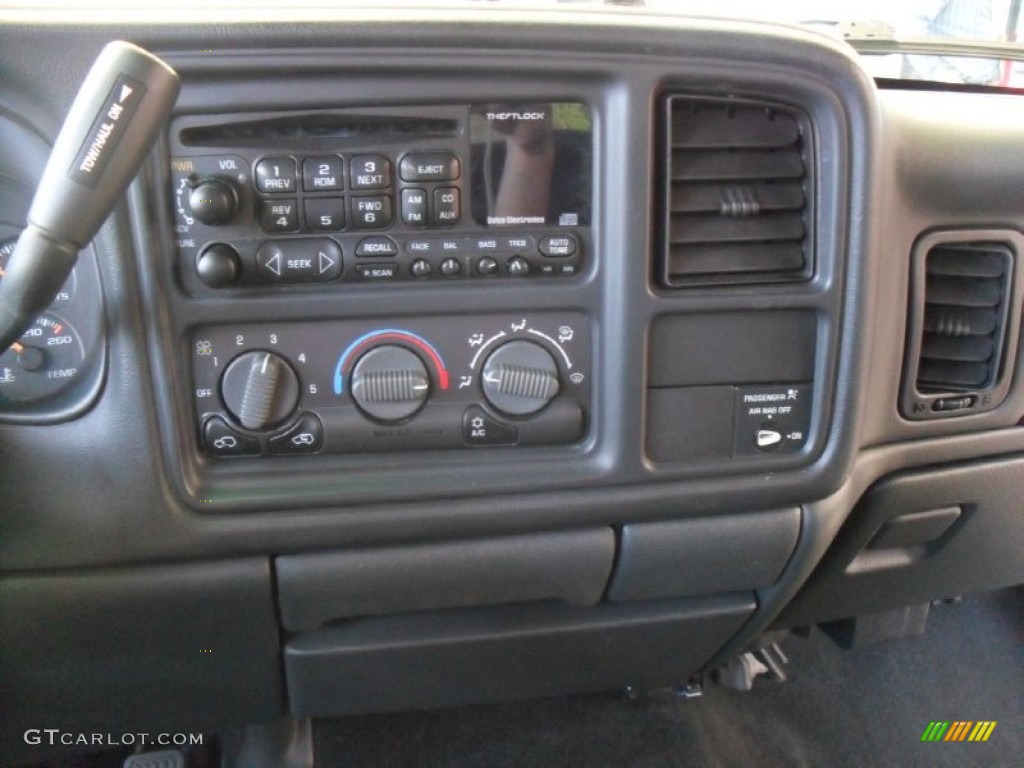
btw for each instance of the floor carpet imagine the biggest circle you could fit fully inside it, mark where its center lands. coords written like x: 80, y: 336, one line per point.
x: 863, y: 707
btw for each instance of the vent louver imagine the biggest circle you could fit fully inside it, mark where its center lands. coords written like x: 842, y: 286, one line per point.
x: 964, y: 317
x: 963, y: 322
x: 737, y: 194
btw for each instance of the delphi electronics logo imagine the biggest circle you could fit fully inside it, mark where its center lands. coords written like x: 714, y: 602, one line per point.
x: 958, y: 730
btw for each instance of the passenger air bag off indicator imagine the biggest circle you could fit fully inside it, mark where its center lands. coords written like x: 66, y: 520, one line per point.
x: 771, y: 419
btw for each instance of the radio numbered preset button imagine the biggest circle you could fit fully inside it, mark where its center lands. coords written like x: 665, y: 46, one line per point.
x: 279, y: 215
x: 275, y: 174
x: 371, y: 212
x: 370, y: 172
x: 323, y: 174
x: 325, y: 213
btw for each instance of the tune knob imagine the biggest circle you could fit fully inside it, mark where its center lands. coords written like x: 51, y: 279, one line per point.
x: 520, y: 378
x: 260, y: 389
x: 214, y: 201
x: 390, y: 383
x: 218, y: 266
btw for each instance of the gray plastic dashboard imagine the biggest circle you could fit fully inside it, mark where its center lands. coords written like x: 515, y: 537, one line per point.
x: 697, y: 542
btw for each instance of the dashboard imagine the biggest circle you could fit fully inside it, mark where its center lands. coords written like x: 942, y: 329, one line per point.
x: 497, y: 354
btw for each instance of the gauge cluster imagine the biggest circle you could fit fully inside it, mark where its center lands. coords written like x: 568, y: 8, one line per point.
x: 55, y: 369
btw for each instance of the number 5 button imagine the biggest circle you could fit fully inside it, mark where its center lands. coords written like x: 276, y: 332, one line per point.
x: 325, y: 213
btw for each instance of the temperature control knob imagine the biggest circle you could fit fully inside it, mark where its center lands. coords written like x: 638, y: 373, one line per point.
x: 214, y: 201
x: 390, y: 383
x: 260, y: 389
x: 520, y: 378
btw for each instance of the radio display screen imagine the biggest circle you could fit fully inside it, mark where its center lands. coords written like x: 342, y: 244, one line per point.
x: 531, y: 164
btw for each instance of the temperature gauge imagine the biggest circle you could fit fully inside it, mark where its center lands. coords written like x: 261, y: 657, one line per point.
x: 67, y: 291
x: 45, y: 360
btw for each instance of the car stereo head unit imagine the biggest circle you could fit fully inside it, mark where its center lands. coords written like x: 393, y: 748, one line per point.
x: 420, y: 194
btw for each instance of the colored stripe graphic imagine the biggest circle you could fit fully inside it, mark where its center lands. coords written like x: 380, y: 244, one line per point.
x: 959, y: 730
x: 982, y: 730
x: 935, y: 730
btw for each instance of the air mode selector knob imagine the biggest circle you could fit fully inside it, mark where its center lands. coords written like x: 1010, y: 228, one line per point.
x: 390, y: 383
x: 260, y: 389
x: 520, y: 378
x: 214, y: 201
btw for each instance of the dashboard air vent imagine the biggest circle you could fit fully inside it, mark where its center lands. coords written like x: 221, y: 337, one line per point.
x: 737, y: 193
x: 960, y: 319
x: 965, y: 305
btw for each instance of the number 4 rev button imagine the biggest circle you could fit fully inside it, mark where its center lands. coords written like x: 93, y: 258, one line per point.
x: 479, y: 428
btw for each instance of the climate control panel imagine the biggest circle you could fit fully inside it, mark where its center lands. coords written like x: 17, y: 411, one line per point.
x: 419, y: 384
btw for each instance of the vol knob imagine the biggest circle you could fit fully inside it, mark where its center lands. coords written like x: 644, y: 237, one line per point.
x: 390, y: 383
x: 260, y: 389
x: 214, y: 201
x: 520, y: 378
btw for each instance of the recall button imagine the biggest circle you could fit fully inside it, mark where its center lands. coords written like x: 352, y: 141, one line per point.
x: 557, y: 246
x: 429, y: 166
x: 377, y: 246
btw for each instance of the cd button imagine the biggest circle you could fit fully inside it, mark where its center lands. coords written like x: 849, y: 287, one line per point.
x: 447, y: 206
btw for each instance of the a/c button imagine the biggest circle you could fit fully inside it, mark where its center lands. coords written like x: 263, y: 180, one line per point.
x: 479, y: 428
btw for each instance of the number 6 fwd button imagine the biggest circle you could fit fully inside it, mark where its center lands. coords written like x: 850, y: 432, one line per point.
x: 307, y: 260
x: 306, y: 436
